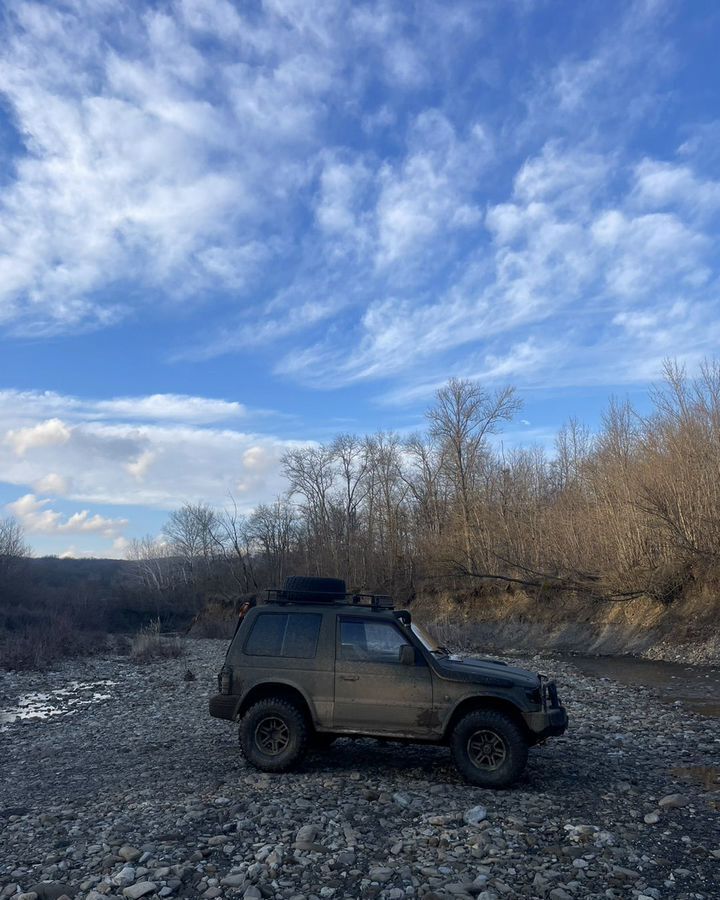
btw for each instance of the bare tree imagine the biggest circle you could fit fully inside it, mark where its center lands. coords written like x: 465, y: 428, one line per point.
x: 312, y: 475
x: 156, y: 565
x: 232, y: 536
x: 190, y: 531
x: 350, y: 454
x: 273, y: 528
x: 12, y: 546
x: 463, y: 417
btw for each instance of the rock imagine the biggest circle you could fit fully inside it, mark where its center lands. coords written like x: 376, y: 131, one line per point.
x: 124, y: 877
x: 28, y: 895
x: 51, y: 890
x: 652, y: 818
x: 306, y: 834
x: 475, y: 815
x: 378, y: 821
x: 381, y: 874
x: 135, y: 891
x: 673, y: 801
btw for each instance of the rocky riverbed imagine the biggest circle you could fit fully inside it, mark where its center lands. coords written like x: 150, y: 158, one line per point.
x: 133, y: 791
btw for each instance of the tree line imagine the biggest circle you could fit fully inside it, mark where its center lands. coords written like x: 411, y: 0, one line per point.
x: 628, y: 510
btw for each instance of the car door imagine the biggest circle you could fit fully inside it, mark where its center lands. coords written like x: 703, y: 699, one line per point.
x: 374, y: 691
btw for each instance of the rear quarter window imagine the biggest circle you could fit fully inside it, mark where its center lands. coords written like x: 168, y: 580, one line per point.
x: 293, y: 635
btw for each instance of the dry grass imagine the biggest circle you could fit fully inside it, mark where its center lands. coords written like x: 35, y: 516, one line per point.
x: 46, y: 643
x: 150, y: 644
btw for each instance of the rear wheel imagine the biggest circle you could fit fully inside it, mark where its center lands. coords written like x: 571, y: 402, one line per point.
x: 489, y: 748
x: 273, y: 735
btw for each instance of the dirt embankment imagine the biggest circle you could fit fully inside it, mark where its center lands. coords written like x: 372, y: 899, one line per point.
x: 687, y: 630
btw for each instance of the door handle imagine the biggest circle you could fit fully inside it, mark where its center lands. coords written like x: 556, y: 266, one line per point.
x: 350, y: 677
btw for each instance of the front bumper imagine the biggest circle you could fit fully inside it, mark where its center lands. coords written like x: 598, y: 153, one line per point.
x: 547, y: 723
x: 550, y: 721
x: 223, y: 706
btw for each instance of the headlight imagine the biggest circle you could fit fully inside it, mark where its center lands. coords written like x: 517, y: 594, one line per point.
x: 534, y: 695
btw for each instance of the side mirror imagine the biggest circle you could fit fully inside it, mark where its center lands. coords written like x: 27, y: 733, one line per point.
x: 407, y: 655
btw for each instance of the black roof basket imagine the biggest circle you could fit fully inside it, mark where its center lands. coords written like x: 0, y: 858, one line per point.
x: 371, y: 601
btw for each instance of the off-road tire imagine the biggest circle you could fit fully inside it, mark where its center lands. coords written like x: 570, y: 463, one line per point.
x: 508, y: 751
x: 304, y: 588
x: 273, y: 723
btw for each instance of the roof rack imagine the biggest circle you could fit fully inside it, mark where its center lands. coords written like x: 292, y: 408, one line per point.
x: 371, y: 601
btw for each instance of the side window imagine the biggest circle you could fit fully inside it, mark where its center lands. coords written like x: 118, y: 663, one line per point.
x: 292, y: 635
x: 370, y: 641
x: 267, y: 634
x: 301, y: 635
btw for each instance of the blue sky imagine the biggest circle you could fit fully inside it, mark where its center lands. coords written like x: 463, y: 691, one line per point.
x: 227, y: 227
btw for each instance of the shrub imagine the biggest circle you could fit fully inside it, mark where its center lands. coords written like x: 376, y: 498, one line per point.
x: 149, y: 643
x: 41, y: 645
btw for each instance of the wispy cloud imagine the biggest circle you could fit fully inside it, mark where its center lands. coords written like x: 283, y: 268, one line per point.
x: 153, y: 407
x: 362, y: 192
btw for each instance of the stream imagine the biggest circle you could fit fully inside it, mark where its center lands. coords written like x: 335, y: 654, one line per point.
x: 696, y: 688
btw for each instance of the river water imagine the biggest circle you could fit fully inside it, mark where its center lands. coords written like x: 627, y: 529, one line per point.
x: 696, y: 688
x: 64, y: 701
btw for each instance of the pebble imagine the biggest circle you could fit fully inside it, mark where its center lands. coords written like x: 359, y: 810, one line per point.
x: 135, y: 891
x: 673, y: 801
x: 475, y: 815
x: 131, y: 798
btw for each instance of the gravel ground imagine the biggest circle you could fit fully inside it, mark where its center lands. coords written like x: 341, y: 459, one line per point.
x: 131, y: 790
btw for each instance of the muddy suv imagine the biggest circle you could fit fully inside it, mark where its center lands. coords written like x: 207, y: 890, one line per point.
x: 314, y: 663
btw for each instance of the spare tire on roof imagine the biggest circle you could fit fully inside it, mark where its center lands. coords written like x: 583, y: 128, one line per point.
x: 306, y: 589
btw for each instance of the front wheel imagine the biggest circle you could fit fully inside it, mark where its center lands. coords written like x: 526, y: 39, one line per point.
x: 489, y: 748
x: 273, y: 735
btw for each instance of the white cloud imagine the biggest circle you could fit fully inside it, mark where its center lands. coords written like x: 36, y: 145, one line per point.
x: 51, y: 433
x: 36, y: 517
x: 662, y: 184
x: 159, y: 407
x: 105, y: 458
x: 556, y: 246
x: 431, y: 191
x: 152, y: 407
x: 147, y: 163
x: 52, y: 483
x: 139, y: 467
x: 644, y: 254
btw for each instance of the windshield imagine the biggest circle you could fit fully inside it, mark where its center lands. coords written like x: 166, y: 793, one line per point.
x: 426, y: 639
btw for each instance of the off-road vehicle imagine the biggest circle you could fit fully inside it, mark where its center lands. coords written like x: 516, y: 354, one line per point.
x: 314, y: 663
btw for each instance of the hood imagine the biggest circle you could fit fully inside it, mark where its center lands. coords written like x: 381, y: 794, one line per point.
x: 485, y: 671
